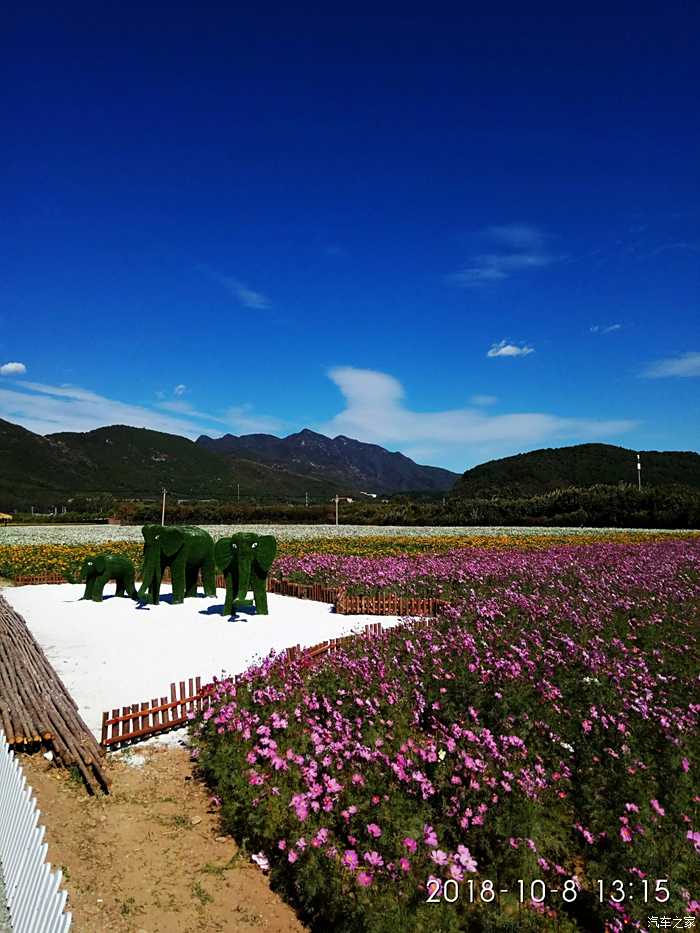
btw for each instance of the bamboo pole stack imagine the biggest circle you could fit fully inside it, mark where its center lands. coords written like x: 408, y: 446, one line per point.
x: 35, y: 706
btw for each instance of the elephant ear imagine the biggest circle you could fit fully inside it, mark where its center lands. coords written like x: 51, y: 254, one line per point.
x: 171, y: 541
x: 265, y: 552
x: 99, y: 563
x: 223, y: 553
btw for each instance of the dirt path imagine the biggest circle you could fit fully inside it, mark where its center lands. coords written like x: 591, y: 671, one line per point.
x: 146, y: 859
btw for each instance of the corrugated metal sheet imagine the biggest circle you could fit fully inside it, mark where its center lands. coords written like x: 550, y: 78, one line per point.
x: 32, y: 891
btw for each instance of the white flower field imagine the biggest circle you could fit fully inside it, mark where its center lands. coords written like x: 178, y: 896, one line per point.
x: 97, y: 534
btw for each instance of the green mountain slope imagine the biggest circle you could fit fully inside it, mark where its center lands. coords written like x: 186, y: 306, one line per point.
x: 31, y: 465
x: 582, y: 465
x: 134, y: 462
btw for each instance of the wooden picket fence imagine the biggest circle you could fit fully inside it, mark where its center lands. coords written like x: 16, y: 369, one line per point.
x: 380, y: 604
x: 373, y: 630
x: 28, y: 580
x: 142, y: 720
x: 40, y: 578
x: 316, y: 591
x: 388, y: 604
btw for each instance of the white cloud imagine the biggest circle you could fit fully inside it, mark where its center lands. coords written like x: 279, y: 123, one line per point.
x: 517, y: 236
x: 242, y: 419
x: 483, y: 399
x: 509, y: 349
x: 47, y: 409
x: 375, y: 412
x: 685, y: 365
x: 180, y: 407
x: 246, y: 296
x: 239, y: 290
x: 180, y: 390
x: 518, y: 247
x: 604, y: 329
x: 12, y: 369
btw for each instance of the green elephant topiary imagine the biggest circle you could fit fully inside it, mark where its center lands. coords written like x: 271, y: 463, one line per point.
x: 245, y: 560
x: 186, y: 550
x: 99, y: 569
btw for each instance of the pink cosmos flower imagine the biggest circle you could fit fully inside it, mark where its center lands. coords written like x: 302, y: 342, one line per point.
x: 625, y: 834
x: 410, y: 844
x: 364, y: 878
x: 350, y: 859
x: 374, y: 830
x: 695, y: 839
x: 374, y: 859
x: 465, y: 858
x: 657, y: 808
x: 439, y: 857
x: 404, y: 864
x: 292, y: 856
x: 429, y: 836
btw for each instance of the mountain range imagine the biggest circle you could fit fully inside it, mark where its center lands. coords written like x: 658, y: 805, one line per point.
x: 136, y: 462
x: 341, y: 460
x: 129, y: 462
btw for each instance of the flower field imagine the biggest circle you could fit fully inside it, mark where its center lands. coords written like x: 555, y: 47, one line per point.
x: 528, y: 761
x: 31, y: 549
x: 100, y: 534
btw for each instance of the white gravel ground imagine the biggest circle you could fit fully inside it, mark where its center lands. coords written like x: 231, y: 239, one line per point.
x: 117, y: 653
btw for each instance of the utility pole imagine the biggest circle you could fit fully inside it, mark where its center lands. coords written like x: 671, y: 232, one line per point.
x: 162, y: 514
x: 307, y: 499
x: 639, y: 473
x: 337, y: 498
x: 238, y: 493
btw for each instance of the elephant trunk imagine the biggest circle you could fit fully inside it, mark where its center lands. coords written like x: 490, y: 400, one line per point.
x: 245, y: 563
x: 151, y: 568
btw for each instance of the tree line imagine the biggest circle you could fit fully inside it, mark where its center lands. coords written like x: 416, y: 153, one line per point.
x: 601, y: 506
x: 621, y: 506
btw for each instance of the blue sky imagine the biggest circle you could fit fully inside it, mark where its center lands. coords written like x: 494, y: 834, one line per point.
x: 459, y: 234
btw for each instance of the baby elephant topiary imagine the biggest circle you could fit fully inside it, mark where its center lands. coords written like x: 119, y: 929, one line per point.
x: 100, y: 569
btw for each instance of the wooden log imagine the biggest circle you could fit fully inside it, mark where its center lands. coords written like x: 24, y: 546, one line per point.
x: 35, y: 705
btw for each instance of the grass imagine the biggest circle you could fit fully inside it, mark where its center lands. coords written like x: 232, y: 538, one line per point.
x: 202, y: 895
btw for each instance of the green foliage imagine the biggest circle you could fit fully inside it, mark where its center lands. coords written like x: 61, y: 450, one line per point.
x: 620, y: 506
x: 582, y: 465
x: 227, y: 513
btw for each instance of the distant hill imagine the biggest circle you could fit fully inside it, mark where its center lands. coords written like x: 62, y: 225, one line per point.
x: 35, y: 467
x: 353, y: 465
x: 582, y: 465
x: 135, y: 462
